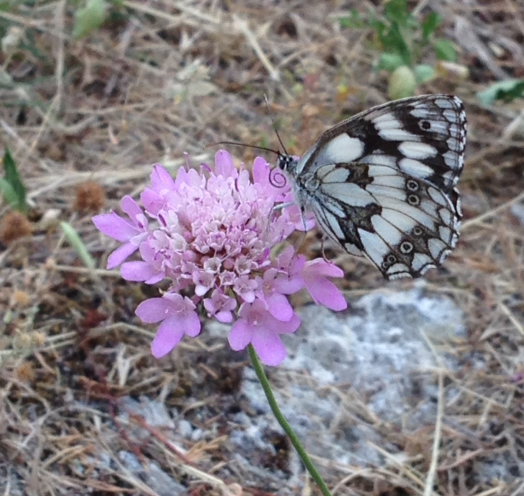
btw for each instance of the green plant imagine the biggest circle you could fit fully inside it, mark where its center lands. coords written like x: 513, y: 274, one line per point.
x: 78, y: 244
x: 89, y: 18
x: 404, y: 41
x: 93, y: 14
x: 11, y: 186
x: 507, y: 91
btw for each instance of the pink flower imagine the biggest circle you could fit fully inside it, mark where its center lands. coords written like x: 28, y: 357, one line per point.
x: 290, y: 267
x: 277, y: 304
x: 258, y: 327
x: 212, y: 235
x: 178, y: 317
x: 220, y: 306
x: 148, y: 270
x: 130, y: 232
x: 224, y: 165
x: 162, y: 188
x: 321, y: 289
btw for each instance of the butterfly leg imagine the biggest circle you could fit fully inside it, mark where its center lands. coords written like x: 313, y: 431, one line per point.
x: 322, y: 249
x: 282, y: 205
x: 276, y: 208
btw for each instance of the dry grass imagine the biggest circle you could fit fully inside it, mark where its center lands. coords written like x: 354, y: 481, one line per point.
x: 165, y: 77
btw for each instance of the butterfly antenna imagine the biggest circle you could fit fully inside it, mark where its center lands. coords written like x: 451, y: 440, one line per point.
x: 235, y: 143
x: 274, y: 125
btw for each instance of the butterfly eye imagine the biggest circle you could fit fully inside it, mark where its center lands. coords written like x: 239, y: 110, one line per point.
x: 412, y: 185
x: 406, y: 247
x: 425, y: 125
x: 389, y: 261
x: 417, y: 231
x: 283, y: 162
x: 413, y: 200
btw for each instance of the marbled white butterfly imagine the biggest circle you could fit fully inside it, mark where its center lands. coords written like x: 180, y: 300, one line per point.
x: 382, y: 183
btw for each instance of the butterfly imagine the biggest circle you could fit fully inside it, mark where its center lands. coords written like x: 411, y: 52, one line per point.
x: 382, y: 184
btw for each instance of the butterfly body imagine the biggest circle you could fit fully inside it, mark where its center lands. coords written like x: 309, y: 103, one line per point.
x: 382, y: 183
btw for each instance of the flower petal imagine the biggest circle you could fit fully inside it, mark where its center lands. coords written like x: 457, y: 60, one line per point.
x: 279, y: 307
x: 152, y: 201
x: 321, y: 267
x: 190, y: 323
x: 288, y: 327
x: 224, y: 316
x: 120, y: 254
x: 321, y: 289
x: 130, y: 207
x: 139, y: 271
x: 260, y: 171
x: 269, y: 347
x: 114, y: 226
x: 161, y: 180
x: 181, y: 178
x: 153, y: 310
x: 240, y: 335
x: 167, y: 337
x: 224, y: 165
x: 326, y: 293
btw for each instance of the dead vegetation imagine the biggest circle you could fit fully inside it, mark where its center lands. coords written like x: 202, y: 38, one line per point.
x: 161, y: 78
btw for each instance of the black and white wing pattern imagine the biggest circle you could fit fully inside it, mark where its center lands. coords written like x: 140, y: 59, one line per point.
x: 382, y: 183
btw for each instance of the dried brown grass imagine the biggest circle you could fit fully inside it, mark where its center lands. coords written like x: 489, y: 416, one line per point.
x: 170, y: 77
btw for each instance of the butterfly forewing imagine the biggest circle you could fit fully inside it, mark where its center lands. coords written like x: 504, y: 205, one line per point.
x: 382, y: 184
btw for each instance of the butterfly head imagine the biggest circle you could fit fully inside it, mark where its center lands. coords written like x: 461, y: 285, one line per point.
x: 287, y: 163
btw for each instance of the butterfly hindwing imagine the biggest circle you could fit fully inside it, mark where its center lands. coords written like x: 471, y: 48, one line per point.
x: 382, y: 183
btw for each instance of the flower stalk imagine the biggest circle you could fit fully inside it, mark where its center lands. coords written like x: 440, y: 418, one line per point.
x: 216, y: 234
x: 295, y: 441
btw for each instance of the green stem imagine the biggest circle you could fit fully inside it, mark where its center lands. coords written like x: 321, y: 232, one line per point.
x: 259, y: 369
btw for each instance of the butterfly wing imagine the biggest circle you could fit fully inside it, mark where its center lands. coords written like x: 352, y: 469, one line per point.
x: 382, y: 184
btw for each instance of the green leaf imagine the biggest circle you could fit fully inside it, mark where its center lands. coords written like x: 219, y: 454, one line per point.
x: 390, y: 61
x: 507, y: 91
x: 12, y: 177
x: 395, y: 42
x: 5, y: 6
x: 89, y: 18
x: 424, y: 73
x: 430, y: 24
x: 445, y: 50
x: 352, y: 21
x: 397, y: 11
x: 8, y: 192
x: 380, y: 28
x: 77, y: 243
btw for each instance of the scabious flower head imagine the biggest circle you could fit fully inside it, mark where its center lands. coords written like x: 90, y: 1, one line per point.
x: 215, y: 234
